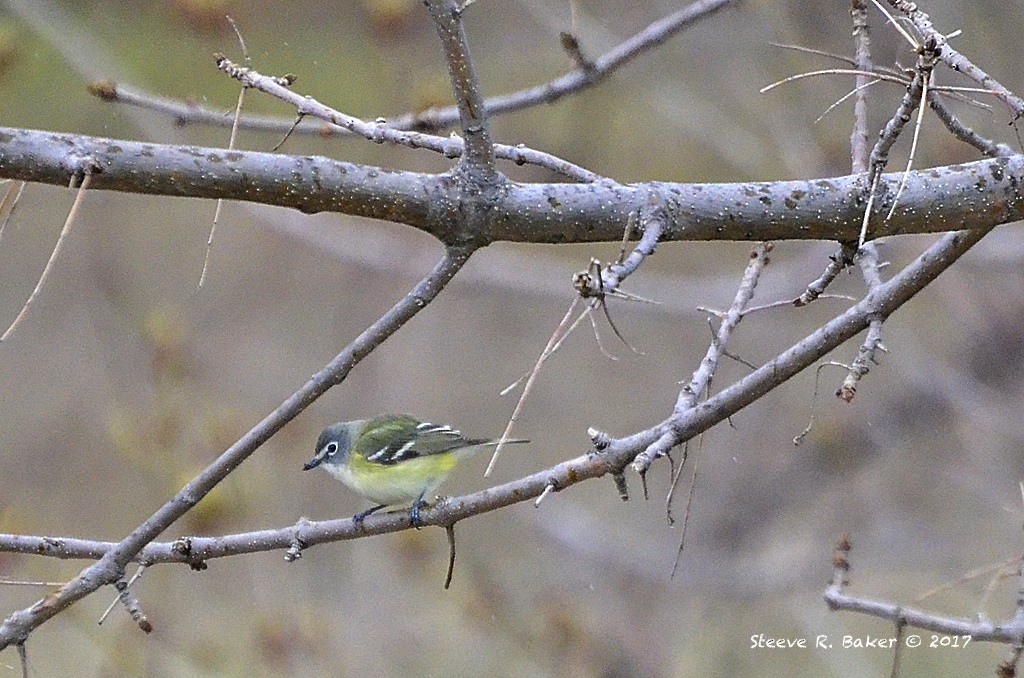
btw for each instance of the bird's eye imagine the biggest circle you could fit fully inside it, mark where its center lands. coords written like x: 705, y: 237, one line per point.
x: 331, y: 448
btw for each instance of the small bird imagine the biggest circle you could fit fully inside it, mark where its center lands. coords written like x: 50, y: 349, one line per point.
x: 393, y: 459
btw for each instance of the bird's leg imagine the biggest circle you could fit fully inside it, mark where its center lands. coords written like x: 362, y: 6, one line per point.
x: 359, y: 517
x: 414, y: 514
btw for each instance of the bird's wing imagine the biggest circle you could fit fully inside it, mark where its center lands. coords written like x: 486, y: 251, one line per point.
x: 396, y: 439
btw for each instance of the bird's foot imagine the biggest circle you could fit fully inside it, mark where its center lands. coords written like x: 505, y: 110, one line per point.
x: 360, y: 517
x: 414, y: 513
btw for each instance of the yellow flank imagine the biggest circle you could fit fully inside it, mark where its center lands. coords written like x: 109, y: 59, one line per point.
x: 400, y: 483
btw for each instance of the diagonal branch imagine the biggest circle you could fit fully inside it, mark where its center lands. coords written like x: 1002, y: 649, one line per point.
x: 883, y: 301
x: 652, y: 221
x: 575, y: 81
x: 836, y: 264
x: 110, y: 567
x: 963, y: 132
x: 705, y: 372
x: 887, y: 138
x: 614, y: 454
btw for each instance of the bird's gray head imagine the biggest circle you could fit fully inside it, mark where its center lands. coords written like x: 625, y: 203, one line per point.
x: 333, y: 446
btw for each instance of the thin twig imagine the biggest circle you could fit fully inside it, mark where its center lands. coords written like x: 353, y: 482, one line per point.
x: 925, y: 66
x: 862, y: 61
x: 653, y: 221
x: 553, y: 343
x: 220, y: 201
x: 853, y: 92
x: 675, y: 473
x: 814, y: 399
x: 571, y: 45
x: 191, y: 113
x: 231, y: 146
x: 381, y: 132
x: 837, y: 262
x: 792, y: 303
x: 835, y: 71
x: 23, y: 656
x: 865, y: 220
x: 810, y: 50
x: 867, y: 259
x: 65, y: 230
x: 594, y: 303
x: 689, y: 503
x: 548, y: 489
x: 759, y: 259
x: 896, y: 24
x: 110, y: 608
x: 965, y: 133
x: 575, y: 81
x: 450, y: 531
x: 241, y: 40
x: 557, y: 345
x: 1011, y: 563
x: 897, y: 654
x: 10, y: 203
x: 132, y: 606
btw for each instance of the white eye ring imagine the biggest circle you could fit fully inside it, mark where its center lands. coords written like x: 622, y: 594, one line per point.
x: 332, y: 448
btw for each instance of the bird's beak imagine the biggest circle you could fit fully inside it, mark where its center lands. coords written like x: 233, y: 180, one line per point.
x: 312, y: 463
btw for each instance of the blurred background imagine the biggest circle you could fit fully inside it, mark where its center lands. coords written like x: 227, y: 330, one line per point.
x: 125, y: 379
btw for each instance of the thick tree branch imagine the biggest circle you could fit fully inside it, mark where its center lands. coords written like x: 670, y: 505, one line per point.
x: 973, y: 195
x: 110, y: 567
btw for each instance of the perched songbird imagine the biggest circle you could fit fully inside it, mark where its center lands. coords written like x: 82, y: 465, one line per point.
x: 393, y: 459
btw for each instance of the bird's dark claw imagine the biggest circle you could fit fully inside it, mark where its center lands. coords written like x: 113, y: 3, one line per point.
x: 360, y: 517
